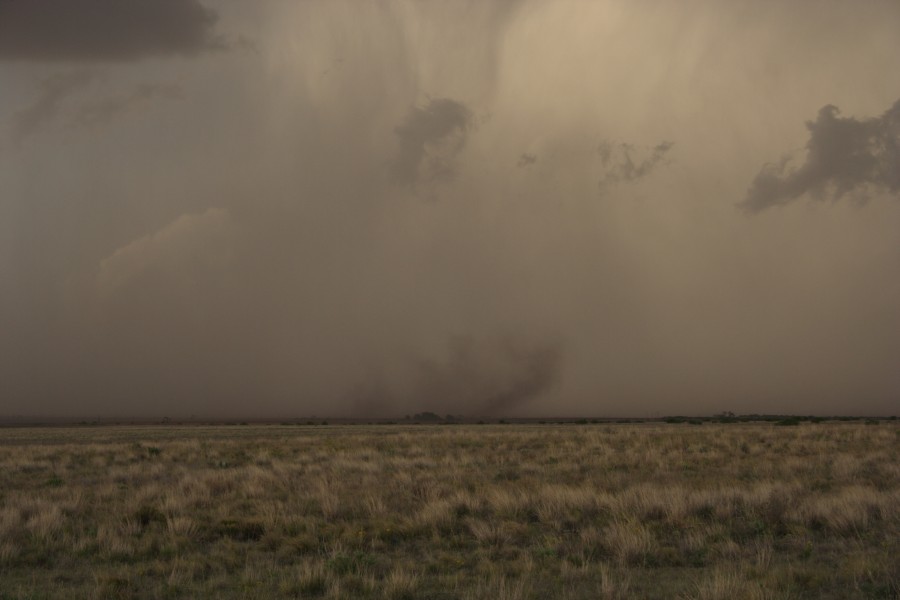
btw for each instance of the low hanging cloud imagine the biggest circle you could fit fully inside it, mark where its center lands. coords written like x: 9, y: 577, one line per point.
x: 104, y: 30
x: 627, y: 163
x: 431, y: 137
x: 52, y: 93
x: 844, y: 157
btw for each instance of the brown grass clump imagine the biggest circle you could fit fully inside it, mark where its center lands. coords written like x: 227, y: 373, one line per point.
x: 393, y: 512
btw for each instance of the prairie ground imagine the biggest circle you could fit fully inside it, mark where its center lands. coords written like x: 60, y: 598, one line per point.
x: 747, y: 510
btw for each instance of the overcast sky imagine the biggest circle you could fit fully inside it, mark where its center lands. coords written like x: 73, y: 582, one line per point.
x: 599, y: 208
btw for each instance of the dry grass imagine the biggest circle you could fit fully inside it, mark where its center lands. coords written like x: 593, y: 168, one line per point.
x: 512, y: 511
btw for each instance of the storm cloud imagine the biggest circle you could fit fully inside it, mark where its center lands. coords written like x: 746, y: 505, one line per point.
x: 104, y: 30
x: 245, y: 236
x: 845, y: 156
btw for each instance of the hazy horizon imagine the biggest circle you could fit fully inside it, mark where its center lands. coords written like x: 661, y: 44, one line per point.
x: 512, y: 208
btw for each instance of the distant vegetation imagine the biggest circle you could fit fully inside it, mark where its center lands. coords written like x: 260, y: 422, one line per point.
x: 428, y: 417
x: 582, y: 510
x: 729, y: 417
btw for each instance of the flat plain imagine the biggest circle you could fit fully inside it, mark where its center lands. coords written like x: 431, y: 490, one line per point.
x: 508, y: 511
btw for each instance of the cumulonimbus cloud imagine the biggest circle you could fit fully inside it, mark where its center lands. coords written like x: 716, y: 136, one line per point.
x: 430, y: 139
x: 844, y: 156
x: 104, y: 30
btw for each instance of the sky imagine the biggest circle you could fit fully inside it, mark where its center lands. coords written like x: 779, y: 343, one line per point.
x: 511, y: 208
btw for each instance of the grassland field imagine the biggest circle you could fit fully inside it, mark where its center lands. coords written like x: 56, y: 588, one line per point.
x: 641, y: 510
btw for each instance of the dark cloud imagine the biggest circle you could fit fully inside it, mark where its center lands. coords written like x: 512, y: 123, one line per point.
x: 430, y: 139
x: 104, y: 110
x: 623, y: 162
x: 104, y: 30
x: 844, y: 156
x: 526, y: 160
x: 52, y: 92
